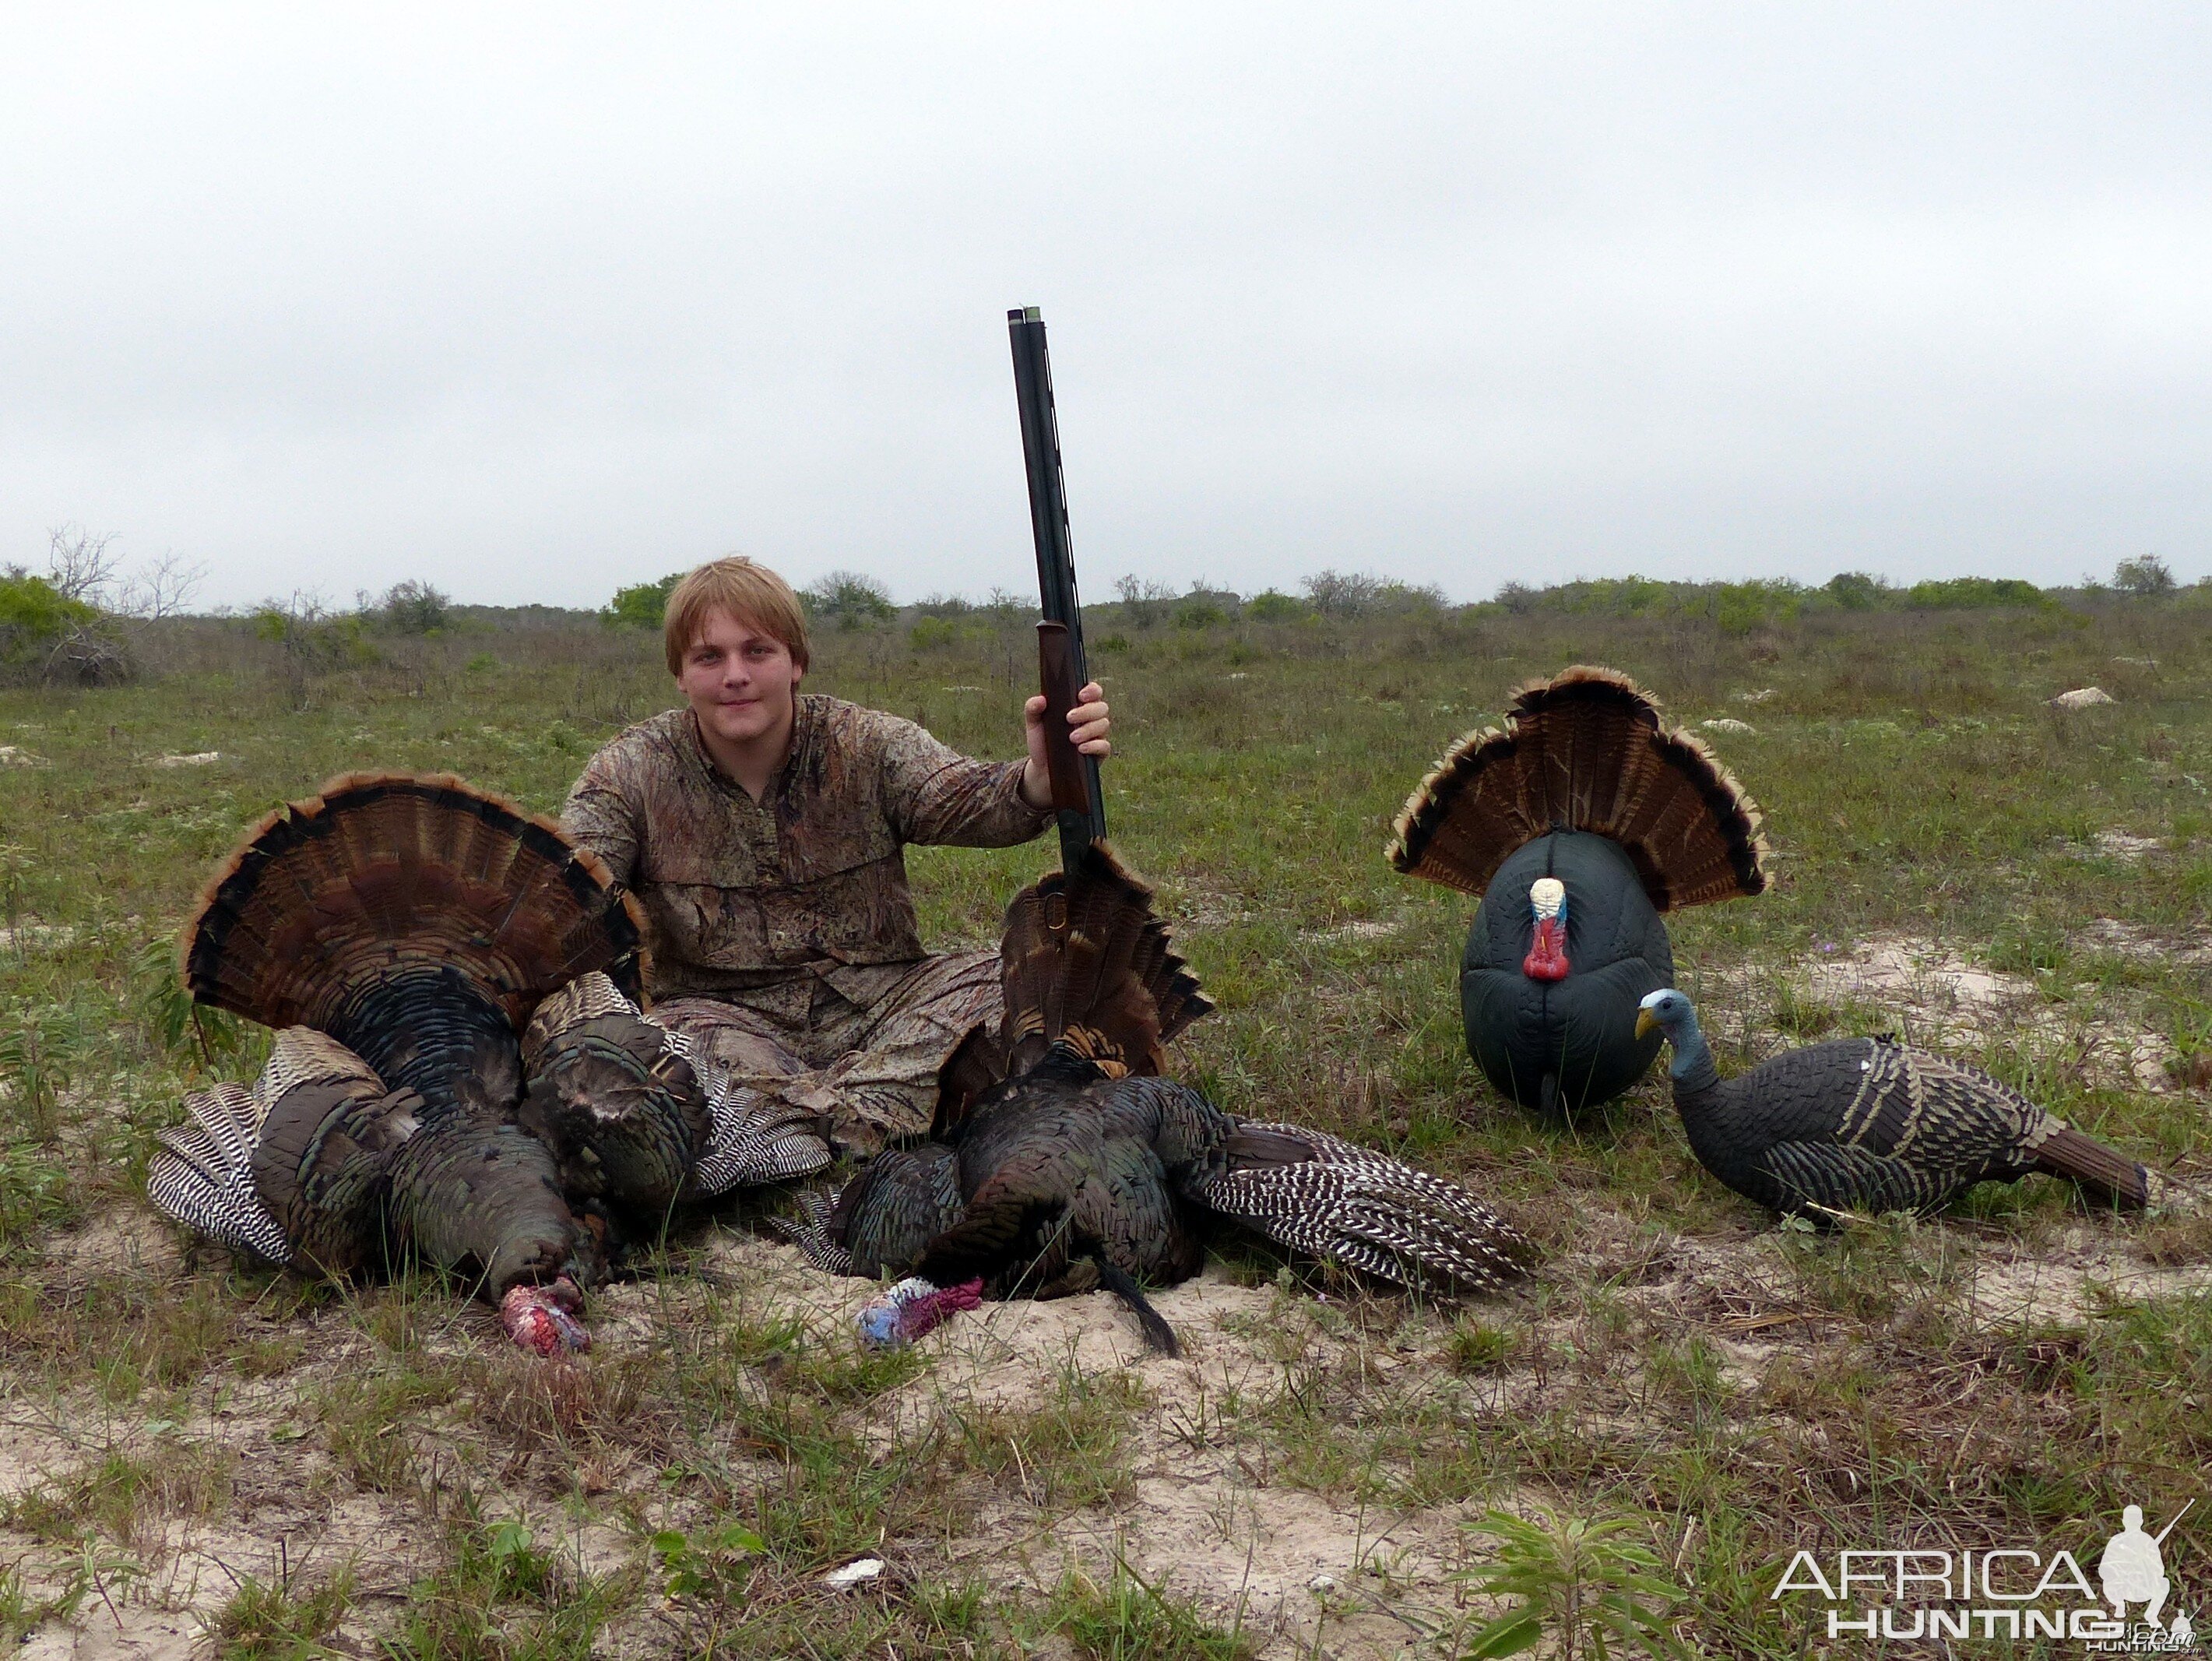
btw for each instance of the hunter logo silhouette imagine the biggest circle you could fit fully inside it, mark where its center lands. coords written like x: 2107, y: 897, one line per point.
x: 2133, y: 1569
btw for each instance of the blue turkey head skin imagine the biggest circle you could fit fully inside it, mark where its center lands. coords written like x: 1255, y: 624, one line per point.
x: 1565, y: 943
x: 879, y: 1326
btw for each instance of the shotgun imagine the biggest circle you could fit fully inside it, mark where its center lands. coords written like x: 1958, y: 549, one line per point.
x: 1076, y: 800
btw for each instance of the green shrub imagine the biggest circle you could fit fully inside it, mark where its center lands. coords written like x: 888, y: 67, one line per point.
x: 1961, y: 594
x: 413, y: 608
x: 35, y: 607
x: 1268, y: 606
x: 641, y: 606
x: 1856, y: 591
x: 1198, y: 612
x: 2145, y: 577
x: 46, y: 634
x: 851, y: 599
x: 933, y: 634
x: 1740, y: 607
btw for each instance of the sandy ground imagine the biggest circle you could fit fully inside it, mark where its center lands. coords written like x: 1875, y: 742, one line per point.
x: 1298, y: 1570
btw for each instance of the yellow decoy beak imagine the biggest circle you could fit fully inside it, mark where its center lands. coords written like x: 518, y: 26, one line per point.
x: 1646, y: 1023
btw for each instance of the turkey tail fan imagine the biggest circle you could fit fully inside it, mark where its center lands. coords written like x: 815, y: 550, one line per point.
x: 202, y: 1175
x: 381, y: 873
x: 2067, y: 1152
x: 1083, y: 961
x: 1585, y: 751
x: 1331, y: 1199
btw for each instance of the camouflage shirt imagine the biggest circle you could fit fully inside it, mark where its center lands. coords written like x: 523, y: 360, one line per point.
x: 808, y: 883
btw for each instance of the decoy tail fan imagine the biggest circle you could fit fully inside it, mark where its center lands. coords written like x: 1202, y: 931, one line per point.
x: 1585, y: 751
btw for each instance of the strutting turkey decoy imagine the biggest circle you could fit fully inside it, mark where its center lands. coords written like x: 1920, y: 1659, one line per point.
x: 460, y: 1074
x: 1083, y: 1168
x: 1866, y: 1125
x: 1578, y: 823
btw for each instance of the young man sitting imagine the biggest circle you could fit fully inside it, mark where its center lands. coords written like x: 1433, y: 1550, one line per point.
x: 760, y: 829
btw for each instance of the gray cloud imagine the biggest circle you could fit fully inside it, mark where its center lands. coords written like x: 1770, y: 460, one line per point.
x: 532, y: 301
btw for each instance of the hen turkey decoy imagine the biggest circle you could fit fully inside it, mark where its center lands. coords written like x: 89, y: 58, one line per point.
x: 1578, y: 823
x: 1868, y: 1125
x: 459, y: 1073
x: 1083, y: 1168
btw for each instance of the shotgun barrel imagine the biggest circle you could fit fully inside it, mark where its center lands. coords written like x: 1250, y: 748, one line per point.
x: 1077, y: 801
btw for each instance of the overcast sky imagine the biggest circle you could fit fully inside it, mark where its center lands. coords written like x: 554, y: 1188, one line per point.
x: 532, y: 301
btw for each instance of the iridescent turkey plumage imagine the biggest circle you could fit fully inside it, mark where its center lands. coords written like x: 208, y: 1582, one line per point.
x: 459, y: 1076
x: 1083, y: 1169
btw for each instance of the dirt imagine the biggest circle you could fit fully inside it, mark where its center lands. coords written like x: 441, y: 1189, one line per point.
x: 2125, y: 845
x: 1364, y: 928
x: 2140, y: 944
x: 1298, y: 1570
x: 2082, y: 697
x: 1941, y: 999
x: 1196, y: 1518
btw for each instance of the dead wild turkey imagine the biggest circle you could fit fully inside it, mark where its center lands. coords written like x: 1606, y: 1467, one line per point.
x: 460, y: 1073
x: 1081, y: 1169
x: 1578, y: 823
x: 1866, y: 1125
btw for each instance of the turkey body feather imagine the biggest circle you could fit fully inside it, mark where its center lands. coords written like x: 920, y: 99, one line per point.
x: 461, y: 1076
x: 1084, y: 1168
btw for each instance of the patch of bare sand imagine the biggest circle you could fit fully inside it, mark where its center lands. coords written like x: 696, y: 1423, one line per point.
x: 115, y: 1629
x: 121, y: 1239
x: 1360, y: 928
x: 1942, y: 1000
x: 153, y: 1603
x: 2140, y: 944
x: 2126, y: 845
x: 1196, y: 1517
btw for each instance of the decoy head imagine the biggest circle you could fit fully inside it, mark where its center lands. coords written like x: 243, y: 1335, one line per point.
x: 1666, y: 1012
x: 1547, y: 950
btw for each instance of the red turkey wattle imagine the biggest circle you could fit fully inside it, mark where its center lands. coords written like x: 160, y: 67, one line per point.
x: 1547, y: 952
x: 542, y: 1319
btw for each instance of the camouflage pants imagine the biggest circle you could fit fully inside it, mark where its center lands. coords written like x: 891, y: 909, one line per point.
x: 869, y: 1068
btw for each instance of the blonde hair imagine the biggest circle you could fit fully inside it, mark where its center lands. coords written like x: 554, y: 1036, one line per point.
x: 753, y: 595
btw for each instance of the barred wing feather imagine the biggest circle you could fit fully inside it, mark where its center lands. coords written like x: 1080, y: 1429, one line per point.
x: 1369, y: 1212
x: 202, y: 1175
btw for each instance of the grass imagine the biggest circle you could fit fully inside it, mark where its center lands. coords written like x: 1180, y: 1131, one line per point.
x: 1743, y: 1390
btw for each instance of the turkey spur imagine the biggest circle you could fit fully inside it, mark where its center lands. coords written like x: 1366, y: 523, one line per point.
x: 460, y: 1073
x: 1868, y: 1125
x: 1082, y: 1168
